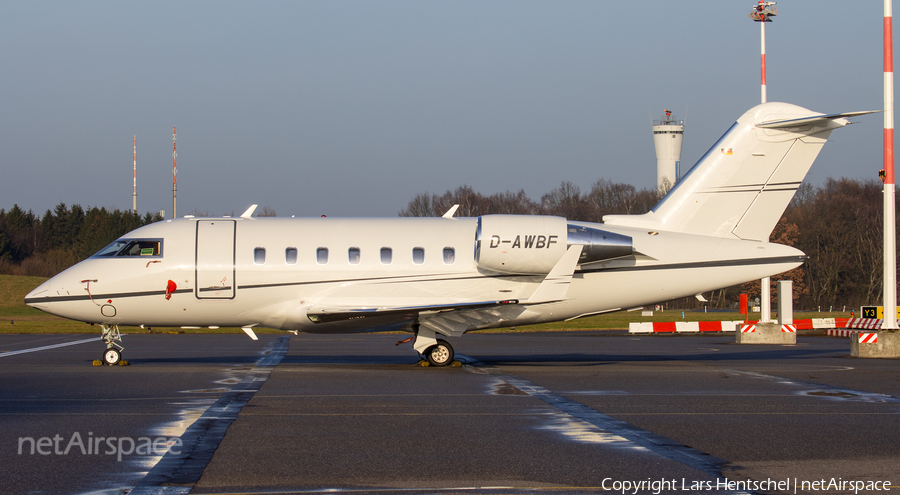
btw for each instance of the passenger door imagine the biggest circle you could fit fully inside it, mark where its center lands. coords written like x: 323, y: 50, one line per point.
x: 214, y: 266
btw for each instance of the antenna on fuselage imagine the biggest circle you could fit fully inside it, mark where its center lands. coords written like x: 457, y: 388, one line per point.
x: 249, y: 212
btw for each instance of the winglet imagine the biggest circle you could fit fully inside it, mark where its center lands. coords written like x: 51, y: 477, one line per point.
x: 249, y: 212
x: 555, y: 286
x: 451, y: 211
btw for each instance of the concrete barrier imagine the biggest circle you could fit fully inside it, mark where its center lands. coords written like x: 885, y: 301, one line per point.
x: 875, y: 345
x: 766, y: 333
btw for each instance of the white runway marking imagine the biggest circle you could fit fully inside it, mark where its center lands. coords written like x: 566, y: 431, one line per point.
x: 46, y: 347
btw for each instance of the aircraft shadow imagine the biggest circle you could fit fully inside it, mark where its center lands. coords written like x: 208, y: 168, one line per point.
x: 583, y: 359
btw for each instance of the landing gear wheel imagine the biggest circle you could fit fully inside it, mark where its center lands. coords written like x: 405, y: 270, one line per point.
x: 440, y: 354
x: 112, y: 356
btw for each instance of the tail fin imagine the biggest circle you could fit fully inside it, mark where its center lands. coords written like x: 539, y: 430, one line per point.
x: 743, y: 184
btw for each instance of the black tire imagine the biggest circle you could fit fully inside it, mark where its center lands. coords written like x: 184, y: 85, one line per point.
x: 440, y: 354
x: 112, y: 356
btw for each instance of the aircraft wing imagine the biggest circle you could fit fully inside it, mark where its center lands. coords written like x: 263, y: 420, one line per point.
x: 455, y: 318
x: 339, y: 314
x: 452, y: 320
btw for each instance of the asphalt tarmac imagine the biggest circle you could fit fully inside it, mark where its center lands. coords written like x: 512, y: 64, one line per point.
x: 576, y: 412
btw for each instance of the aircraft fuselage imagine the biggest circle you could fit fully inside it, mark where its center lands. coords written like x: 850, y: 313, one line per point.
x: 277, y: 272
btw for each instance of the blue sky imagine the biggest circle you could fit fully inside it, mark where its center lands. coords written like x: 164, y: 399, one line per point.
x: 351, y: 108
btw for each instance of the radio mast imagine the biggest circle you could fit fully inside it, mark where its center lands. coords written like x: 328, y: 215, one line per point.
x: 174, y: 176
x: 134, y: 179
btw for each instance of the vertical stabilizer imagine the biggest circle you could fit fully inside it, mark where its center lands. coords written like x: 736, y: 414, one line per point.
x: 742, y: 185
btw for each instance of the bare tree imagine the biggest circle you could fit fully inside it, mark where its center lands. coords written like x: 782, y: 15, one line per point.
x: 564, y: 201
x: 419, y: 206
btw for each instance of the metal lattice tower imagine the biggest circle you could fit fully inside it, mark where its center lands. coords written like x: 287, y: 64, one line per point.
x: 134, y: 179
x: 174, y: 177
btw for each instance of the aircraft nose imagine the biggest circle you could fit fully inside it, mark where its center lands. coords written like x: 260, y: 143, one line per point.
x: 34, y: 297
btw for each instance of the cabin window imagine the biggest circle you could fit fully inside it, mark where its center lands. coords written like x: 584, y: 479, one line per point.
x: 322, y: 256
x: 353, y: 255
x: 449, y: 255
x: 386, y: 255
x: 290, y: 256
x: 259, y: 256
x: 418, y: 255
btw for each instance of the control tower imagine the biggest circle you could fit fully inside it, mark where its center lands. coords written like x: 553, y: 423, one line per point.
x: 668, y: 134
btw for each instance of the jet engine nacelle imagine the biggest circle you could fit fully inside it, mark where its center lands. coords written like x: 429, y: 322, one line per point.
x: 522, y: 244
x: 532, y: 244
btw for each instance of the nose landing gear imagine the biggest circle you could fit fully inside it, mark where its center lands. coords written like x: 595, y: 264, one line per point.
x: 111, y: 336
x: 112, y: 356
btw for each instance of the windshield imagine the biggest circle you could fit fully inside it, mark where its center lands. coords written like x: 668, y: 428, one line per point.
x: 131, y: 248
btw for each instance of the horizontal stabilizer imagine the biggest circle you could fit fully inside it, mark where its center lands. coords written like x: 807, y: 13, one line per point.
x: 816, y: 119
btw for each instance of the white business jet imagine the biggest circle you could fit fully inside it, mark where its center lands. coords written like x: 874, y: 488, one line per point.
x: 442, y: 277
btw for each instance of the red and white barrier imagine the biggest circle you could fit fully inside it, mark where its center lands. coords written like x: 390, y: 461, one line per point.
x: 868, y: 338
x: 683, y: 326
x: 731, y: 326
x: 865, y: 323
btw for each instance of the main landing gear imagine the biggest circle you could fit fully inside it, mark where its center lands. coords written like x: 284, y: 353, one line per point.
x: 440, y: 354
x: 437, y: 352
x: 111, y: 336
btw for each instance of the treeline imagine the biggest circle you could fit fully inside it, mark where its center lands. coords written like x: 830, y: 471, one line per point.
x: 841, y: 228
x: 838, y: 225
x: 44, y: 246
x: 567, y: 200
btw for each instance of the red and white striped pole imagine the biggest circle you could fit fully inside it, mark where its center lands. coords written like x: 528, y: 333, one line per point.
x: 890, y: 244
x: 765, y: 297
x: 762, y: 12
x: 762, y: 60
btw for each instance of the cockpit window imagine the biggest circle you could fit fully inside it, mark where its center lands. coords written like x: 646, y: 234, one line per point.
x: 127, y: 248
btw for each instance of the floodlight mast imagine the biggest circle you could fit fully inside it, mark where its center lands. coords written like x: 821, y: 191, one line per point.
x: 762, y: 13
x: 890, y: 245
